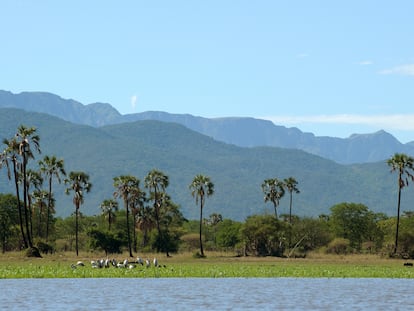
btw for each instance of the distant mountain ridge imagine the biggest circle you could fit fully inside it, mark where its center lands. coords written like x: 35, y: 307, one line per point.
x: 250, y: 132
x: 240, y: 131
x: 96, y: 114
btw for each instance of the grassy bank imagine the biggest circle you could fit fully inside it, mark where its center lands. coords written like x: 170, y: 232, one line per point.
x: 16, y: 265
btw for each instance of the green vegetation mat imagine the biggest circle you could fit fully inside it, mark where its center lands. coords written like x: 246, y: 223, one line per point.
x: 211, y: 267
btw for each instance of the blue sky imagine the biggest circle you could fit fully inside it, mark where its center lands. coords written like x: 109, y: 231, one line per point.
x: 329, y: 67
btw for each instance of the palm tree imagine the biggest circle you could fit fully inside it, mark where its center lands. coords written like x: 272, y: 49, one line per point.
x: 136, y: 203
x: 200, y: 187
x: 109, y: 207
x: 404, y: 165
x: 10, y: 153
x: 290, y: 184
x: 40, y: 197
x: 156, y: 182
x: 78, y: 184
x: 274, y: 191
x: 51, y: 167
x: 171, y: 219
x: 26, y: 137
x: 124, y: 186
x: 33, y: 179
x: 145, y: 222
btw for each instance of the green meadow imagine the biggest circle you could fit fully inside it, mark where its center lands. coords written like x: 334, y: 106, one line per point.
x: 213, y: 266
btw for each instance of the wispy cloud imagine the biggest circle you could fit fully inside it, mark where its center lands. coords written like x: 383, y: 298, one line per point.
x: 404, y: 122
x: 302, y: 55
x: 134, y: 101
x: 405, y: 70
x: 366, y: 63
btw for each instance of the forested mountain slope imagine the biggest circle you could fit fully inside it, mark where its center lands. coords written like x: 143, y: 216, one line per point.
x: 137, y: 147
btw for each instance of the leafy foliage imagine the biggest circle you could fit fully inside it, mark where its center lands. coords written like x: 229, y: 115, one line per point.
x: 339, y: 246
x: 228, y: 234
x: 356, y: 223
x: 8, y: 220
x: 264, y: 235
x: 105, y: 241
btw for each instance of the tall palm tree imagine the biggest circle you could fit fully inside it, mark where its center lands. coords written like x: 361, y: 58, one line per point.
x: 51, y: 167
x: 136, y: 203
x: 78, y: 184
x: 171, y: 218
x: 26, y: 138
x: 290, y: 184
x: 274, y: 191
x: 33, y: 179
x: 11, y: 153
x: 40, y: 203
x: 145, y: 222
x: 156, y: 182
x: 124, y: 186
x: 201, y: 187
x: 109, y: 207
x: 404, y: 166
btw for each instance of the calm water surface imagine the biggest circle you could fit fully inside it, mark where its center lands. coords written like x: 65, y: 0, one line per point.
x: 207, y: 294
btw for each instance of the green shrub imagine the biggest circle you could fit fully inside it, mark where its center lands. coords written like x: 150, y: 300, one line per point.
x: 190, y: 242
x: 33, y: 252
x: 198, y: 255
x: 338, y: 246
x: 45, y: 248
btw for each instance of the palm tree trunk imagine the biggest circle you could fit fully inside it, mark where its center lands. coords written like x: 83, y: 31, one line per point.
x: 398, y: 220
x: 145, y: 238
x: 31, y: 213
x: 201, y: 223
x: 26, y: 212
x: 128, y: 230
x: 134, y: 234
x: 39, y: 222
x: 19, y: 208
x: 290, y: 220
x: 76, y: 229
x: 49, y: 203
x: 275, y: 206
x: 157, y: 219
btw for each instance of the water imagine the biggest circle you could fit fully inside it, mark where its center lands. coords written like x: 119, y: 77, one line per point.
x: 207, y: 294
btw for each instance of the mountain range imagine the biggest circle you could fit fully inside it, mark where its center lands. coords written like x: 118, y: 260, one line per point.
x: 136, y: 147
x: 240, y: 131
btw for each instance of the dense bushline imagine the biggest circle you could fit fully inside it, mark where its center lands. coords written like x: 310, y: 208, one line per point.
x: 258, y: 235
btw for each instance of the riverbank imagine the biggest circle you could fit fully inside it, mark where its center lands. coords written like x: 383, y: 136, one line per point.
x: 63, y: 265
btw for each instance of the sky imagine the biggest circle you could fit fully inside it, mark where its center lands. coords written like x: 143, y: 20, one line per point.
x: 333, y: 68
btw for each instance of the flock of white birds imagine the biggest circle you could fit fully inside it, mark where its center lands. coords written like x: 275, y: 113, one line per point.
x: 107, y: 263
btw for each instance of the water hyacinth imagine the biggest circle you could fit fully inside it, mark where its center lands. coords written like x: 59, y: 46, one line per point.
x: 181, y: 266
